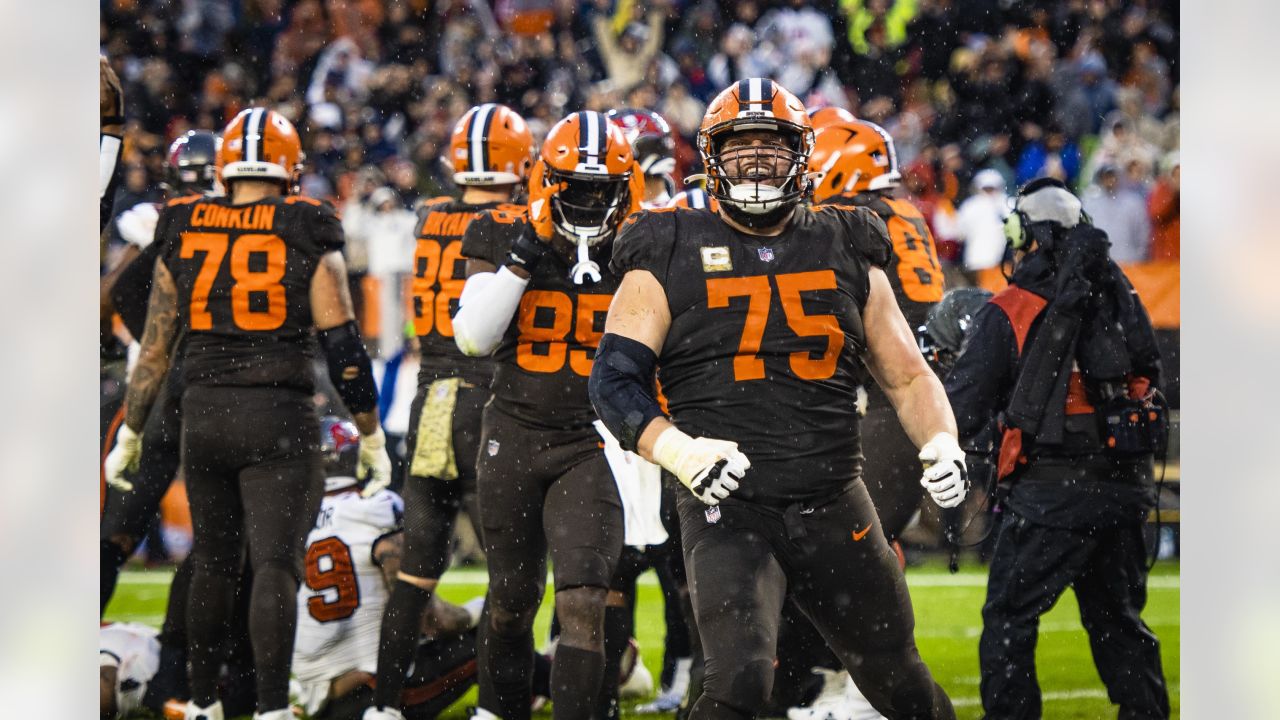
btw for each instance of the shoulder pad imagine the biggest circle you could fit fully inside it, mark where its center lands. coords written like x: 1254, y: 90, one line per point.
x: 508, y: 213
x: 437, y: 200
x: 184, y: 200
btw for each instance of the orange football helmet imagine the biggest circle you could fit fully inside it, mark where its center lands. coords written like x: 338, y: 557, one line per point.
x: 829, y: 115
x: 853, y: 157
x: 752, y: 198
x: 592, y: 161
x: 491, y: 145
x: 260, y: 144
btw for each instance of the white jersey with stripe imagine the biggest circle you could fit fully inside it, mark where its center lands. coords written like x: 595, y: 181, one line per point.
x: 134, y: 651
x: 342, y: 596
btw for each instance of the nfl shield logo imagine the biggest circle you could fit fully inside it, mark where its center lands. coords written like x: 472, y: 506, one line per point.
x: 493, y: 448
x: 766, y: 254
x: 712, y: 514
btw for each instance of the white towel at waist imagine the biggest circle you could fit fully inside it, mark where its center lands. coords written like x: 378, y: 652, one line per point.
x: 640, y: 488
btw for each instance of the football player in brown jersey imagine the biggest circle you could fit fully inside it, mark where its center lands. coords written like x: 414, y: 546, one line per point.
x: 246, y: 278
x: 491, y: 151
x: 130, y: 506
x: 537, y: 291
x: 758, y: 317
x: 855, y: 163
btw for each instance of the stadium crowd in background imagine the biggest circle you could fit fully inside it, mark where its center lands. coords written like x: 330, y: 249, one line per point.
x: 1082, y: 90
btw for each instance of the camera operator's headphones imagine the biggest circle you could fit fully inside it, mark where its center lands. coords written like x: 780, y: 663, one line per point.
x: 1019, y: 230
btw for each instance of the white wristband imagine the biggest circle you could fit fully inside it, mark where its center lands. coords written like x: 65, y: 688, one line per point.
x: 668, y: 447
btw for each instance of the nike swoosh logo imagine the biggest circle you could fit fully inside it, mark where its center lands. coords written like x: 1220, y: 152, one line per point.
x: 857, y: 536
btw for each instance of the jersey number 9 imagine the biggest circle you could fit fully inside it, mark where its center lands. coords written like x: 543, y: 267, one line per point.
x: 329, y: 568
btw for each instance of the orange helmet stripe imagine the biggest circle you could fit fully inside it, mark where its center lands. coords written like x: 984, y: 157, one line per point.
x: 254, y: 132
x: 756, y: 94
x: 478, y: 136
x: 593, y: 135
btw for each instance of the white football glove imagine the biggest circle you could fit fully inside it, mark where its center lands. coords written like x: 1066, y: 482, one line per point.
x: 374, y: 463
x: 124, y: 456
x: 710, y: 468
x: 945, y: 476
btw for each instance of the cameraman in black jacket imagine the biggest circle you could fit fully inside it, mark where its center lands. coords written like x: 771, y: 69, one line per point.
x: 1065, y: 362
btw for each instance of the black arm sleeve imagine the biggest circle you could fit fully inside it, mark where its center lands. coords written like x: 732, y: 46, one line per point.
x: 621, y: 387
x: 349, y: 367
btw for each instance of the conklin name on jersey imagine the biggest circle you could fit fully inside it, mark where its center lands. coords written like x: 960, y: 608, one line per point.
x: 341, y: 600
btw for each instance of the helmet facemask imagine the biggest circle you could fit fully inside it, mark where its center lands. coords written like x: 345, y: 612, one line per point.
x: 589, y: 208
x: 757, y: 184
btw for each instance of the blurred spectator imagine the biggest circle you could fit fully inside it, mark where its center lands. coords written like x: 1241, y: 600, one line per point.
x: 735, y: 60
x: 980, y: 220
x: 682, y: 110
x: 933, y: 34
x: 1099, y: 90
x: 1121, y: 213
x: 388, y: 229
x: 1164, y: 207
x: 1047, y: 154
x: 990, y: 152
x: 627, y: 57
x: 797, y: 40
x: 1028, y: 89
x: 885, y: 20
x: 1122, y: 148
x: 921, y: 183
x: 340, y: 71
x: 699, y: 31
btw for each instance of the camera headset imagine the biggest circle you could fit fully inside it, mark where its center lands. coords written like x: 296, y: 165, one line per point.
x: 1019, y: 230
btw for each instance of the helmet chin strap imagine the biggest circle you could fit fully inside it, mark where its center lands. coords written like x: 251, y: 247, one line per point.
x: 585, y: 267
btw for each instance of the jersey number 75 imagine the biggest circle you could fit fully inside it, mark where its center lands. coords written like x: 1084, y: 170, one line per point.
x: 747, y: 363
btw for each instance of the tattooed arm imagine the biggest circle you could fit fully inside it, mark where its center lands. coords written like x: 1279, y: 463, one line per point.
x: 386, y: 554
x: 331, y: 309
x: 157, y: 344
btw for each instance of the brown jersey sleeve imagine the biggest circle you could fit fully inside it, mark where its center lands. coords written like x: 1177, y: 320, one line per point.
x: 865, y: 232
x: 490, y: 235
x: 323, y: 224
x: 645, y: 243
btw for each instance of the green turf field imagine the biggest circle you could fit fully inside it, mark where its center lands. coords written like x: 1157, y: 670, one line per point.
x: 948, y: 622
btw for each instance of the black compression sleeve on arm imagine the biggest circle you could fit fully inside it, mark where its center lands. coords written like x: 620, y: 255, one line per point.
x: 621, y: 387
x: 349, y: 367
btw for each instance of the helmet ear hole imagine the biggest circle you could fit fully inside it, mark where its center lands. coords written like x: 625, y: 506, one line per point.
x: 836, y: 179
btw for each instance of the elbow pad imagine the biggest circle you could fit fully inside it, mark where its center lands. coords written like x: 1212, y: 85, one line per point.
x: 349, y: 367
x: 621, y: 387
